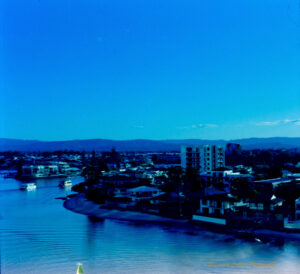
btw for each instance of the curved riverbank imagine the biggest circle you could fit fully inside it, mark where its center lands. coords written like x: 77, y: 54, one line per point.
x: 80, y: 204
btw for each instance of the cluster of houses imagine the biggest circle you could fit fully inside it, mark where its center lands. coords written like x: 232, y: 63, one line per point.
x: 221, y: 207
x: 217, y: 203
x: 33, y: 165
x: 56, y: 164
x: 211, y: 205
x: 49, y: 170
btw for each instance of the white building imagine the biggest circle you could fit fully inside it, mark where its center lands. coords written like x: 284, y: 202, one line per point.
x: 40, y: 171
x: 214, y: 207
x: 143, y: 193
x: 225, y: 175
x: 204, y: 158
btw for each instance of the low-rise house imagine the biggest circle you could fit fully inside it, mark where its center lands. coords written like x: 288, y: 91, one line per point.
x: 215, y: 205
x: 243, y: 169
x: 143, y: 193
x: 168, y: 204
x: 294, y: 223
x: 39, y: 171
x: 219, y: 207
x: 262, y: 205
x: 264, y: 209
x: 63, y: 167
x: 223, y: 175
x: 226, y: 174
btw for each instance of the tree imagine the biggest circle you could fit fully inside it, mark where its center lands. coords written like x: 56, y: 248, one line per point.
x: 91, y: 175
x: 79, y: 187
x: 192, y: 181
x: 97, y: 195
x: 289, y: 192
x: 242, y: 188
x: 174, y: 182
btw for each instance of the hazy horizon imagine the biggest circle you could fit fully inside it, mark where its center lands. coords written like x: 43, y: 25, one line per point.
x: 147, y: 139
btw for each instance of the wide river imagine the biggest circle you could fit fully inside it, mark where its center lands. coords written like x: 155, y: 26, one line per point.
x: 38, y: 235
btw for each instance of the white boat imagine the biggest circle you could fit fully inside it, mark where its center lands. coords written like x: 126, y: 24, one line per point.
x: 28, y: 187
x: 66, y: 183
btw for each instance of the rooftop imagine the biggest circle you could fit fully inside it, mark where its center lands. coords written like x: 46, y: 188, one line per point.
x: 144, y: 189
x: 275, y: 181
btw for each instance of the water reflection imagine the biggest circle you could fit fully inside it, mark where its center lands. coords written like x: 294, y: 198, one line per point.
x: 93, y: 233
x: 39, y: 236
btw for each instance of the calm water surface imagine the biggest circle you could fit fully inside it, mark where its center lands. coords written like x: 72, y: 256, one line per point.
x: 39, y: 236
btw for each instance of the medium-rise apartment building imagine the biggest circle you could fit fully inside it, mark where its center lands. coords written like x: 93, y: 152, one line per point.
x: 204, y: 158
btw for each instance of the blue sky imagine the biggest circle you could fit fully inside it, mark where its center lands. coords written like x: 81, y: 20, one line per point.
x: 149, y: 69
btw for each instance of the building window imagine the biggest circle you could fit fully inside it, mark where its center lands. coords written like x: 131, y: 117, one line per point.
x: 260, y: 206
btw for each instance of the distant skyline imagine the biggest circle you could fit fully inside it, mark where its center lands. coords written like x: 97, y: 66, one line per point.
x: 149, y: 69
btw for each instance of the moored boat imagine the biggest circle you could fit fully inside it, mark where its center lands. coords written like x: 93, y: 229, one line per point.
x: 66, y: 183
x: 28, y: 187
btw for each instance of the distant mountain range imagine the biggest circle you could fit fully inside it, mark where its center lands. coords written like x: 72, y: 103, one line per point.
x: 142, y: 145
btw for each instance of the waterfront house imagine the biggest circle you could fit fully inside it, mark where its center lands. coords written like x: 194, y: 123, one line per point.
x: 265, y: 209
x: 215, y: 205
x: 40, y: 171
x: 222, y: 208
x: 294, y: 223
x: 169, y: 204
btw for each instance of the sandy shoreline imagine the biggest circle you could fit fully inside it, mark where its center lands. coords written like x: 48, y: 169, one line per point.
x: 80, y: 204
